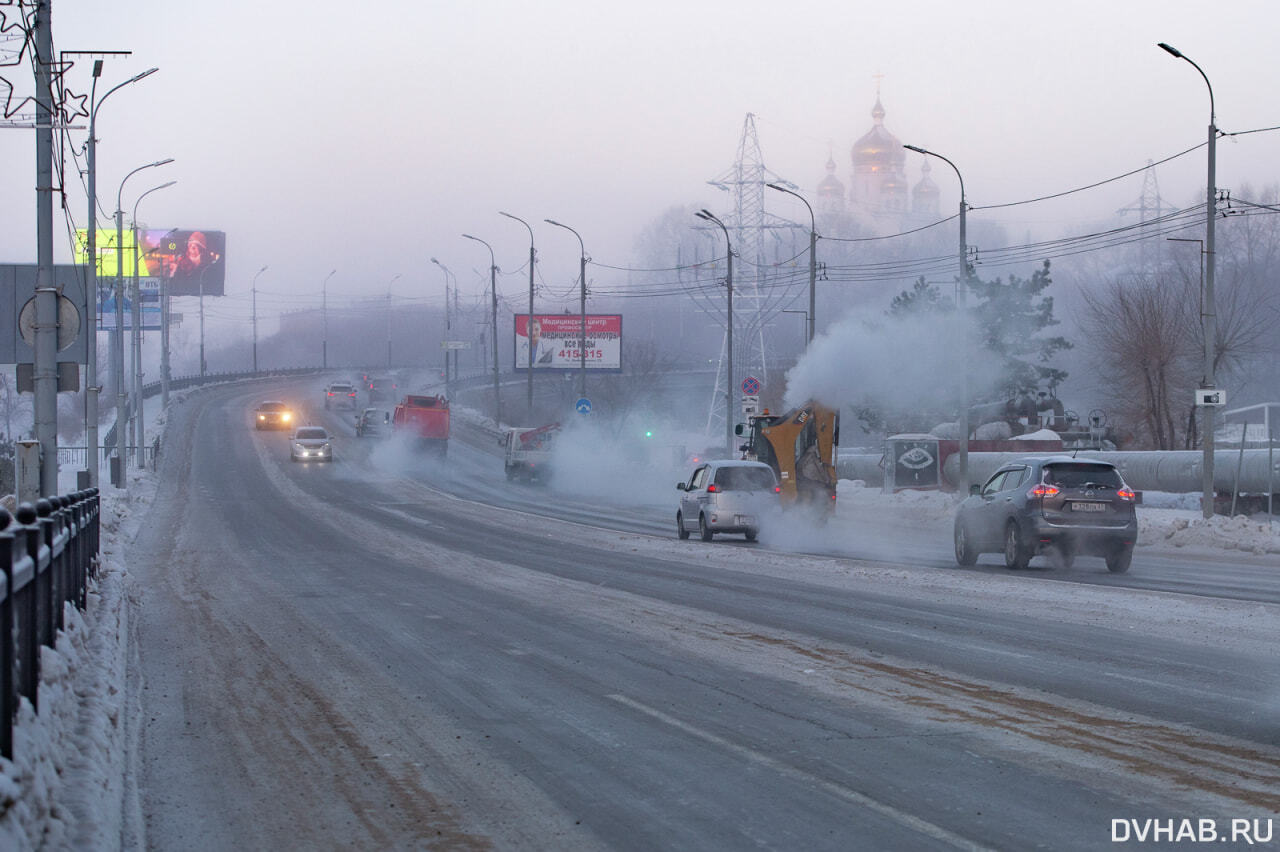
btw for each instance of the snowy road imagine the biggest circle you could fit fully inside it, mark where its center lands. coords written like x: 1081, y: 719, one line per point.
x: 356, y: 656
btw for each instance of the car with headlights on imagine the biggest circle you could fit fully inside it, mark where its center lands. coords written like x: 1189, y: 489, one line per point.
x: 310, y: 443
x: 1059, y: 505
x: 272, y: 414
x: 727, y: 496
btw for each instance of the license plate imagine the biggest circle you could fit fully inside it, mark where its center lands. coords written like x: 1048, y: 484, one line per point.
x: 1088, y: 507
x: 744, y: 520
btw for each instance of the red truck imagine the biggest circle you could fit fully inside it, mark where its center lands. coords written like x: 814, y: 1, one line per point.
x: 425, y: 421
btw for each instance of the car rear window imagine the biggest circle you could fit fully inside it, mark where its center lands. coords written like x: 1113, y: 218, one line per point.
x: 312, y: 433
x: 744, y: 479
x: 341, y: 388
x: 1082, y: 475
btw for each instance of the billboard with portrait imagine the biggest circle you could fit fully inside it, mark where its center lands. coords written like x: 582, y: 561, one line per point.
x: 188, y: 262
x: 553, y: 342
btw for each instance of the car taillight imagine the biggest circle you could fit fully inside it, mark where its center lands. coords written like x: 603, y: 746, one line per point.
x: 711, y: 489
x: 1043, y: 490
x: 777, y: 489
x: 330, y: 393
x: 1126, y: 494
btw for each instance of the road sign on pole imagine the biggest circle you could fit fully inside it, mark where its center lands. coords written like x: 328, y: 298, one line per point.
x: 751, y: 386
x: 583, y: 405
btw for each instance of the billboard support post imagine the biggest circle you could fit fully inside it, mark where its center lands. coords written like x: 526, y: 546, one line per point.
x: 46, y: 296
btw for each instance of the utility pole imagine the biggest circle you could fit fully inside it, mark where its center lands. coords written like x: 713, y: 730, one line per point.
x: 728, y: 391
x: 448, y: 326
x: 529, y: 325
x: 45, y: 366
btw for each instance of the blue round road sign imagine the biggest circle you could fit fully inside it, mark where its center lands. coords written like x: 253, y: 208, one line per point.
x: 751, y: 386
x: 583, y: 405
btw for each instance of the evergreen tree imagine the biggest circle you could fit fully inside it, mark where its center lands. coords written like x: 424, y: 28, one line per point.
x: 1010, y: 318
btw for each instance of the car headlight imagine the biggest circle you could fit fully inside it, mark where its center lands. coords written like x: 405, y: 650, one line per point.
x: 285, y: 417
x: 262, y: 417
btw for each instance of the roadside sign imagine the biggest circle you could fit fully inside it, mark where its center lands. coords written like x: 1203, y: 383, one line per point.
x: 583, y: 405
x: 750, y: 405
x: 751, y: 386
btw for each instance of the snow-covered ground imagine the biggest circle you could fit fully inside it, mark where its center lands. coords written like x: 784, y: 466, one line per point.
x: 69, y: 784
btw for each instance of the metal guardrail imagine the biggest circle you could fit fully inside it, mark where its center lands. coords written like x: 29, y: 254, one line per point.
x: 48, y: 554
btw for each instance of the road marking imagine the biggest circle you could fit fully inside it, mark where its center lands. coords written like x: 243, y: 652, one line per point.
x: 911, y: 821
x: 1180, y: 688
x: 921, y: 636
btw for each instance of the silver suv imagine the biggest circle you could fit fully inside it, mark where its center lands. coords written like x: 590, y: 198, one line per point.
x: 340, y: 394
x: 727, y: 497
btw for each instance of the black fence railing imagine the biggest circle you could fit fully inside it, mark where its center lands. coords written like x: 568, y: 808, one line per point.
x: 48, y: 553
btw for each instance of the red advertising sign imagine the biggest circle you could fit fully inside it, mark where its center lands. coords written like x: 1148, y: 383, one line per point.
x: 554, y: 342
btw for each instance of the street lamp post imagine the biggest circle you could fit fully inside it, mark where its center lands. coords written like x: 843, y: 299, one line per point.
x: 1209, y: 314
x: 389, y: 283
x: 493, y: 332
x: 324, y: 320
x: 582, y: 307
x: 812, y: 319
x: 139, y: 431
x: 117, y: 365
x: 91, y: 252
x: 254, y: 289
x: 448, y: 326
x: 203, y: 366
x: 728, y: 391
x: 964, y: 323
x: 528, y: 325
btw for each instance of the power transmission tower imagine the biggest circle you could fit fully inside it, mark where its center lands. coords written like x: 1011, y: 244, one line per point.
x: 1150, y: 207
x: 755, y: 302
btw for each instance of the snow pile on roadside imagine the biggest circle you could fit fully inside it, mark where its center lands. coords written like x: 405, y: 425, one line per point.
x: 64, y: 789
x: 1181, y: 528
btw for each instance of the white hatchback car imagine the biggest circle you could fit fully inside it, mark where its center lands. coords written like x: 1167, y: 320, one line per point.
x: 727, y: 497
x: 310, y: 442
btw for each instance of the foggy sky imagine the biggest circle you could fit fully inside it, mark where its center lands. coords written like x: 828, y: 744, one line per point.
x: 324, y: 135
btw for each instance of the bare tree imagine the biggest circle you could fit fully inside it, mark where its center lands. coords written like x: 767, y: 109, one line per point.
x: 1142, y: 352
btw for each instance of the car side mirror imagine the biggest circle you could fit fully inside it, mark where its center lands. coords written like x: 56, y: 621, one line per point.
x: 975, y: 489
x: 737, y: 429
x: 679, y: 486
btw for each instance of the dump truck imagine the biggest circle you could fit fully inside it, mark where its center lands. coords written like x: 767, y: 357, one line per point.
x: 527, y: 452
x: 424, y: 420
x: 800, y: 446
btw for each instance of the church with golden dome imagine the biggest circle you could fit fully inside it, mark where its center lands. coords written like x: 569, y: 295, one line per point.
x: 880, y: 198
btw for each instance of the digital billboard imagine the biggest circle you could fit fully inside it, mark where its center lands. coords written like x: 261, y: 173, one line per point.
x: 188, y: 262
x: 551, y: 342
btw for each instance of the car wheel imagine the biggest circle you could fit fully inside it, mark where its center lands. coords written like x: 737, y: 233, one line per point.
x: 752, y: 535
x: 680, y: 530
x: 1016, y: 554
x: 966, y: 554
x: 1119, y: 559
x: 704, y: 531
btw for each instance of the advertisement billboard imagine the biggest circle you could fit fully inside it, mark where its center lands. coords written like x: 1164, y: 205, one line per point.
x: 553, y: 342
x: 187, y: 261
x: 148, y: 305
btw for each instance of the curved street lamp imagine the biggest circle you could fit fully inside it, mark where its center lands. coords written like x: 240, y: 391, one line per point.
x: 254, y: 290
x: 324, y: 320
x: 813, y: 262
x: 448, y: 327
x: 117, y: 359
x: 582, y: 305
x: 91, y: 253
x: 1209, y: 313
x: 728, y: 390
x: 964, y: 319
x: 493, y: 291
x: 139, y: 431
x: 528, y: 329
x: 389, y: 283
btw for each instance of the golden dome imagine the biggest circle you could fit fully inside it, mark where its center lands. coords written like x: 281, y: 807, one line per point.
x: 878, y: 150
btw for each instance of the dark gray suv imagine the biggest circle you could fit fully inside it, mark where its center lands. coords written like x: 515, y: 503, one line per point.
x: 1056, y: 504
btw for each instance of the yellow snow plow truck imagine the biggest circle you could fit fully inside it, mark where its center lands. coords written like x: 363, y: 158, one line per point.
x: 800, y: 446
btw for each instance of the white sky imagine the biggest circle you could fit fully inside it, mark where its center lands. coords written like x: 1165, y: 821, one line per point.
x: 367, y: 138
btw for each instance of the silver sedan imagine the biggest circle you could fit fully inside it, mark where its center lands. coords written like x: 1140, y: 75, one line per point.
x: 310, y: 443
